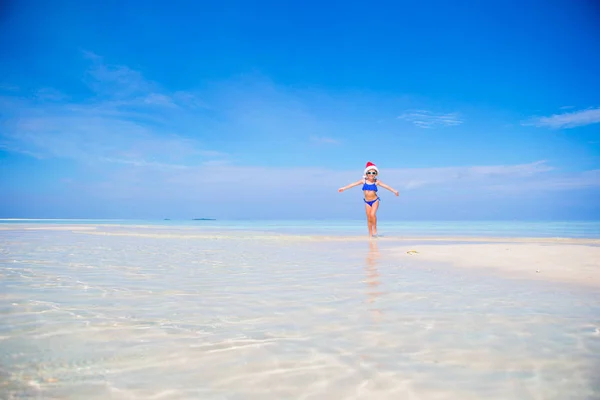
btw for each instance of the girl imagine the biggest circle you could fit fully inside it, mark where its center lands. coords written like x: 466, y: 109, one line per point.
x: 369, y: 188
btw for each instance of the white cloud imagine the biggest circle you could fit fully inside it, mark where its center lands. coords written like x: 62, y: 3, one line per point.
x: 5, y: 87
x: 323, y: 140
x: 416, y: 178
x: 144, y: 163
x: 566, y: 120
x: 116, y: 81
x: 100, y: 138
x: 159, y: 100
x: 146, y: 134
x: 50, y: 94
x: 131, y: 122
x: 16, y: 149
x: 237, y: 185
x: 428, y: 119
x: 553, y: 182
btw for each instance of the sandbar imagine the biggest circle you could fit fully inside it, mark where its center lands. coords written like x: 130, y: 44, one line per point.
x: 574, y: 262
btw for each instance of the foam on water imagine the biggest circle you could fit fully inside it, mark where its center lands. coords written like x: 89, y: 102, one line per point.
x: 157, y: 314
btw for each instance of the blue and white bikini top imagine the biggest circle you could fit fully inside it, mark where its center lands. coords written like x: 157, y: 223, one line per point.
x: 370, y: 186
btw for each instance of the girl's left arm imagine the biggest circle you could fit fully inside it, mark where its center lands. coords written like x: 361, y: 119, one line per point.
x: 383, y: 185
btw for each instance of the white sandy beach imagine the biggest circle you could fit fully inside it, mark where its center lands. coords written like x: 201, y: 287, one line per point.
x: 125, y: 312
x: 575, y: 263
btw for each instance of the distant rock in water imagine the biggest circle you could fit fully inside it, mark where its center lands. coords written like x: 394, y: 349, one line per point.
x: 167, y: 219
x: 203, y: 219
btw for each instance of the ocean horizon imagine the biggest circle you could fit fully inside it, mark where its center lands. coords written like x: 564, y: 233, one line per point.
x: 444, y: 228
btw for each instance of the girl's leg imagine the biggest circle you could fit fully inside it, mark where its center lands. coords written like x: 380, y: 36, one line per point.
x: 369, y: 222
x: 373, y: 211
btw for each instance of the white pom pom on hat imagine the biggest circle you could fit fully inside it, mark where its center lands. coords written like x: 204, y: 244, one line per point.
x: 369, y: 166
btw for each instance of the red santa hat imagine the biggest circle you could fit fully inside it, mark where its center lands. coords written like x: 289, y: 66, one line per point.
x: 369, y: 166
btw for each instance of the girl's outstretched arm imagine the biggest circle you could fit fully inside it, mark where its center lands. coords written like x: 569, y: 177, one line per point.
x: 383, y: 185
x: 350, y: 186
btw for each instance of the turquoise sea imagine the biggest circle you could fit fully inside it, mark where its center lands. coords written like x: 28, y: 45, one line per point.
x: 542, y: 229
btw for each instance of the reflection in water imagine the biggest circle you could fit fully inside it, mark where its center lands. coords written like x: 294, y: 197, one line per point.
x: 372, y: 280
x: 163, y: 316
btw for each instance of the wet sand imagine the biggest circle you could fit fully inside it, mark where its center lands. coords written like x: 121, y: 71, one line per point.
x: 574, y: 263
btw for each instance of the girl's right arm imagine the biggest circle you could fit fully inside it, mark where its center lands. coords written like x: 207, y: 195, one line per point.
x: 350, y: 186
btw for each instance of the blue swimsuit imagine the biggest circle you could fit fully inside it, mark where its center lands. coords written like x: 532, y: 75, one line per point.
x: 372, y: 187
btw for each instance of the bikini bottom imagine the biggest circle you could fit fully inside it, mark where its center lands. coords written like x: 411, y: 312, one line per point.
x: 370, y: 203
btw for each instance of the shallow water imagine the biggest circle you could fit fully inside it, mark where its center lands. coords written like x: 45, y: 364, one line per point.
x: 155, y: 314
x: 564, y: 229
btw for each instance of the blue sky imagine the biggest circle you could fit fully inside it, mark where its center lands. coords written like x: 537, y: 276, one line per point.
x: 237, y: 109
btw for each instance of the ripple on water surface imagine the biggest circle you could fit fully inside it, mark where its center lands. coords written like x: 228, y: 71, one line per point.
x: 170, y: 317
